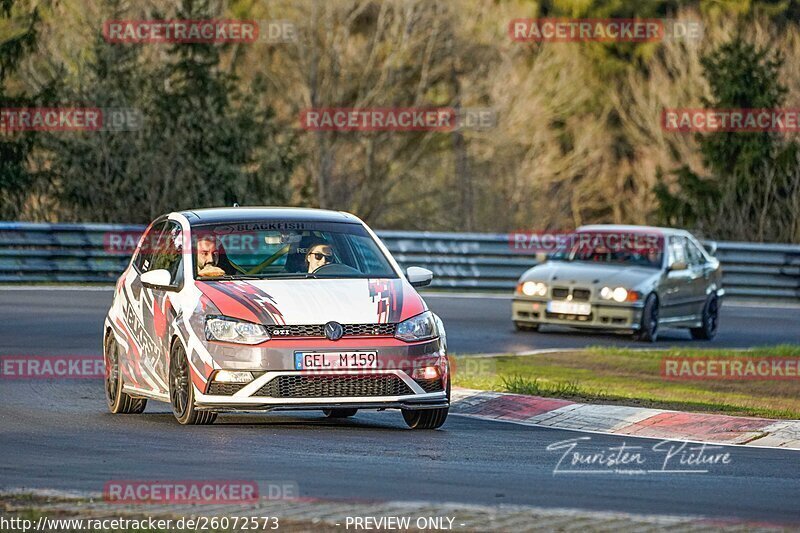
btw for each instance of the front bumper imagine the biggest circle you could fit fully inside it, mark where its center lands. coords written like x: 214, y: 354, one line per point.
x: 279, y: 386
x: 251, y: 396
x: 532, y: 311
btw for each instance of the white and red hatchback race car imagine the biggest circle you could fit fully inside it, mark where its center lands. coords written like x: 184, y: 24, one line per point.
x: 254, y: 309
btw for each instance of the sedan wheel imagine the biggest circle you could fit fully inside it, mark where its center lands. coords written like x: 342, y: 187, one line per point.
x: 708, y: 330
x: 181, y: 391
x: 648, y: 328
x: 118, y: 402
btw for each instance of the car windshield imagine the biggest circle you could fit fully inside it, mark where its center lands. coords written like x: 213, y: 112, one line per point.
x: 620, y: 248
x: 287, y: 250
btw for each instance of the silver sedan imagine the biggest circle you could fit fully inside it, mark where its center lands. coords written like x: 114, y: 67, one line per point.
x: 624, y: 278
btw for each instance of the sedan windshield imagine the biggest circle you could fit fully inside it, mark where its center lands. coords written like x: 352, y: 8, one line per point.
x: 622, y: 248
x: 287, y: 250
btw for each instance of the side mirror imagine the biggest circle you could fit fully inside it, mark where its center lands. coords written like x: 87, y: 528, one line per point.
x: 419, y: 277
x: 677, y: 266
x: 157, y: 279
x: 711, y: 247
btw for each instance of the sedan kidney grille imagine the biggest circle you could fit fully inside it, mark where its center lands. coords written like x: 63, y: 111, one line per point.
x: 581, y: 294
x: 560, y: 293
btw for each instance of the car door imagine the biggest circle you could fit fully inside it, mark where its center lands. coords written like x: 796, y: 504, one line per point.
x: 677, y: 284
x: 131, y: 311
x: 700, y: 274
x: 157, y: 307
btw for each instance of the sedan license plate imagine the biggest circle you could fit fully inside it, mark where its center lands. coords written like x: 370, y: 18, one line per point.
x: 334, y: 360
x: 569, y: 308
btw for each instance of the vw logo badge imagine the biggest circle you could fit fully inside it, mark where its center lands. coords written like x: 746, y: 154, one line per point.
x: 334, y: 331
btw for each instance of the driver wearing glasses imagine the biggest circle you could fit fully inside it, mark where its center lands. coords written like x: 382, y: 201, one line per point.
x: 318, y: 256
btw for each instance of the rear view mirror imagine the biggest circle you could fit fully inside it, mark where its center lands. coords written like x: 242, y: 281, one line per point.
x: 419, y: 277
x: 678, y: 266
x: 157, y: 279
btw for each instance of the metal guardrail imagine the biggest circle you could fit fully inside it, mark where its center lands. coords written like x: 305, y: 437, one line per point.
x: 31, y: 252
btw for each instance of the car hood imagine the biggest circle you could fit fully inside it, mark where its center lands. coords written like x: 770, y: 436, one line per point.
x: 315, y: 301
x: 588, y: 274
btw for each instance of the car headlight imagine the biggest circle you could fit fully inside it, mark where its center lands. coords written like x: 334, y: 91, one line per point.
x: 534, y: 288
x: 618, y: 294
x: 418, y: 328
x: 220, y: 328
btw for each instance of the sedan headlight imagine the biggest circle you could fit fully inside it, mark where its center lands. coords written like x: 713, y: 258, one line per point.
x: 534, y: 288
x: 418, y: 328
x: 618, y: 294
x: 221, y: 328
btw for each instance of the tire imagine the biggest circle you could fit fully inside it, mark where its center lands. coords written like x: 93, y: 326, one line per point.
x: 119, y: 403
x: 648, y: 328
x: 710, y: 325
x: 181, y: 391
x: 425, y: 419
x: 522, y: 326
x: 339, y: 413
x: 428, y: 418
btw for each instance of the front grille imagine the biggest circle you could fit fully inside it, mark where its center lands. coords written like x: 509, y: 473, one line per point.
x: 318, y: 330
x: 581, y: 294
x: 311, y: 330
x: 334, y: 386
x: 430, y: 385
x: 369, y: 330
x: 225, y: 389
x: 560, y: 293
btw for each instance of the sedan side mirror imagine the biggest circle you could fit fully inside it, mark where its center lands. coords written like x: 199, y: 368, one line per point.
x: 677, y: 266
x: 419, y: 277
x: 158, y: 279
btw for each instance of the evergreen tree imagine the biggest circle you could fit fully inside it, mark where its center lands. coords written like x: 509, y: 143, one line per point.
x: 17, y: 39
x: 203, y: 142
x: 749, y: 172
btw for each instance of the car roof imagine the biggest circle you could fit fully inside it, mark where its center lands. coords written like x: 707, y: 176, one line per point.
x: 231, y: 215
x: 632, y: 228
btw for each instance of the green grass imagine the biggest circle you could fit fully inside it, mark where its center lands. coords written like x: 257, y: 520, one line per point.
x: 633, y: 377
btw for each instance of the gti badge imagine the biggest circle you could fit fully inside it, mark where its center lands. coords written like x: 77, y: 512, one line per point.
x: 334, y: 331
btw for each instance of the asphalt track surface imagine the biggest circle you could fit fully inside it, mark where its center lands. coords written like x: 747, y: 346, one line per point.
x: 68, y: 321
x: 58, y: 434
